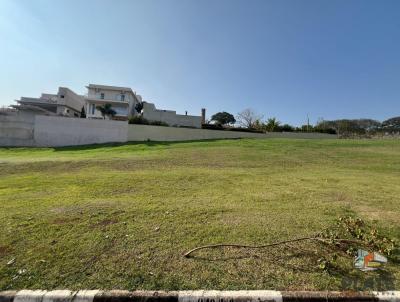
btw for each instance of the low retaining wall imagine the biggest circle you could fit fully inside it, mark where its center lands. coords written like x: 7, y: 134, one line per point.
x: 159, y: 133
x: 194, y: 296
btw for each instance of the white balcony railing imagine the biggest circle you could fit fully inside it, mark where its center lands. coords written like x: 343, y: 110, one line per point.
x: 115, y: 98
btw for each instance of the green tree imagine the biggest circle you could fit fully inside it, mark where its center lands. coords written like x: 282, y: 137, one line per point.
x: 259, y: 125
x: 306, y: 128
x: 83, y: 112
x: 350, y: 126
x: 139, y: 107
x: 392, y: 124
x: 106, y: 110
x: 223, y: 118
x: 286, y: 128
x: 272, y: 124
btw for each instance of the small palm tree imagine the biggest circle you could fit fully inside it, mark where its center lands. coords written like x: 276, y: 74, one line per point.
x: 106, y: 110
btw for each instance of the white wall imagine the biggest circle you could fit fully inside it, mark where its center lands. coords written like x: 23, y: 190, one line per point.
x: 157, y: 133
x: 54, y: 131
x: 59, y: 131
x: 170, y: 117
x: 16, y: 129
x: 70, y: 99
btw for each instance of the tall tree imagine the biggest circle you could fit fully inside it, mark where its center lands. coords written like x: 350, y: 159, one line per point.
x: 106, y: 110
x: 223, y: 118
x: 248, y: 117
x: 83, y: 112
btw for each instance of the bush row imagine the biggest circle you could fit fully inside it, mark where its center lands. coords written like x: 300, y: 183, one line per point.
x: 142, y: 121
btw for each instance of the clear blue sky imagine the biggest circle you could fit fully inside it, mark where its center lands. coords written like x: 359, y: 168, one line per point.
x: 330, y: 59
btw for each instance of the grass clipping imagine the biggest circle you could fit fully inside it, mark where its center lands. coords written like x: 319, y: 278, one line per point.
x: 345, y: 237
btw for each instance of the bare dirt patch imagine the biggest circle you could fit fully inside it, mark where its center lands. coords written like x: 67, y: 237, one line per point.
x: 4, y: 250
x: 65, y: 220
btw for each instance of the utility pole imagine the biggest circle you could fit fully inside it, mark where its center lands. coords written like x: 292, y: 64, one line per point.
x: 308, y: 123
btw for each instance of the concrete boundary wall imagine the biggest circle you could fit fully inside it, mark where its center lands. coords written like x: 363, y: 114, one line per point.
x: 55, y: 131
x: 195, y: 296
x: 159, y: 133
x: 16, y: 129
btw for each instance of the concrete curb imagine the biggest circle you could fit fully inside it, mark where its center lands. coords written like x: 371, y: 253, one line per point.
x: 195, y: 296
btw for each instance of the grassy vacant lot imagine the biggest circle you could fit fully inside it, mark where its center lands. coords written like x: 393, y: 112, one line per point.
x: 121, y: 216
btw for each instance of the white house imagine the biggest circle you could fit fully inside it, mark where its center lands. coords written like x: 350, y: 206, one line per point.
x: 64, y: 103
x: 122, y: 99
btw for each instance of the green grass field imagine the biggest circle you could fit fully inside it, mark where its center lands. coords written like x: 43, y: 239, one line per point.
x: 122, y: 216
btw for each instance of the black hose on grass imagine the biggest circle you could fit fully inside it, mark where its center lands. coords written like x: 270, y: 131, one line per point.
x: 210, y: 246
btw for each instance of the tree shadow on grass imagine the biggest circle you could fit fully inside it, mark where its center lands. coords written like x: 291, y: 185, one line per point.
x: 136, y: 143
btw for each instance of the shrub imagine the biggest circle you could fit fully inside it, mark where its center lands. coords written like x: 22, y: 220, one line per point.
x: 212, y: 126
x: 138, y: 120
x: 240, y: 129
x: 285, y: 128
x: 220, y: 127
x: 142, y: 121
x: 327, y: 130
x: 159, y: 123
x: 189, y: 127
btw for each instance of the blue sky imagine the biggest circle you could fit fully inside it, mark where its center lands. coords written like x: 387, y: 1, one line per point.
x: 328, y: 59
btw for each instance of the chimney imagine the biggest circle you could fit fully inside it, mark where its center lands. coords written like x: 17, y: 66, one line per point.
x: 203, y: 115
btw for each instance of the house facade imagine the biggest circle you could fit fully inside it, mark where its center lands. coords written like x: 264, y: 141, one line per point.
x: 122, y: 100
x: 64, y: 103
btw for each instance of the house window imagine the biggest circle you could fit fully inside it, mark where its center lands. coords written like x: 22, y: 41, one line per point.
x: 62, y: 96
x: 102, y: 96
x: 122, y: 97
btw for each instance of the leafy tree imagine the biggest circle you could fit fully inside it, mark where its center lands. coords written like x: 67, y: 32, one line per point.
x: 368, y: 124
x: 83, y: 112
x: 248, y: 117
x: 223, y: 118
x: 106, y: 110
x: 139, y: 107
x: 392, y: 124
x: 272, y: 124
x: 286, y: 128
x: 306, y: 128
x: 258, y: 125
x: 349, y: 126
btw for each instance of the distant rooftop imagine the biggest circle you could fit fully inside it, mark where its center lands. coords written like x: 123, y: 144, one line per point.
x: 106, y: 87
